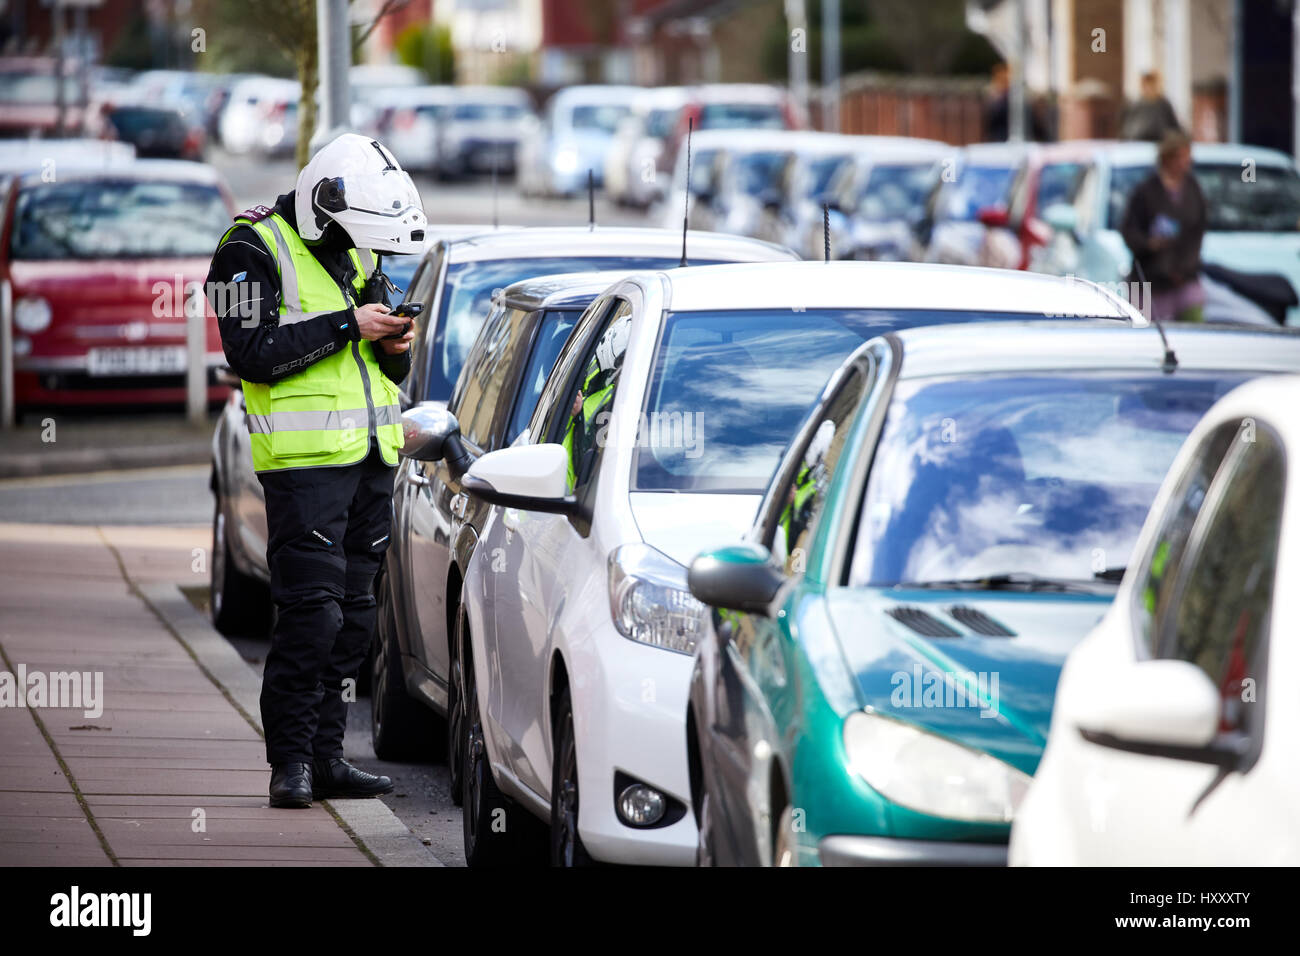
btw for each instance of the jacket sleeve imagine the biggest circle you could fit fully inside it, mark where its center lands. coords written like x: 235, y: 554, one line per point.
x: 1136, y: 225
x: 395, y: 367
x: 243, y: 289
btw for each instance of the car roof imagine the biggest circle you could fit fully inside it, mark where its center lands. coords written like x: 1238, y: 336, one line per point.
x: 1144, y: 154
x: 718, y: 93
x: 1061, y: 346
x: 887, y: 285
x: 543, y: 242
x: 167, y: 170
x: 997, y: 153
x: 26, y: 155
x: 558, y: 291
x: 594, y: 93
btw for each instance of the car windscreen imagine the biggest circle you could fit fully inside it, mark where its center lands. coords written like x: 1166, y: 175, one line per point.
x: 1270, y: 202
x: 553, y: 332
x: 892, y: 192
x: 754, y: 173
x: 597, y: 117
x: 659, y: 123
x: 1056, y: 183
x: 974, y: 188
x: 729, y: 388
x: 1046, y: 476
x: 741, y: 116
x: 115, y: 218
x: 467, y: 298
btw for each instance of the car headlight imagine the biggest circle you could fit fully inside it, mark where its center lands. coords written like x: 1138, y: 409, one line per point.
x: 650, y: 602
x: 566, y: 160
x: 930, y: 774
x: 32, y: 315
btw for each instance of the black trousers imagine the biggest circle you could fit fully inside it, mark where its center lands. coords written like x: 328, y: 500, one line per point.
x: 328, y: 530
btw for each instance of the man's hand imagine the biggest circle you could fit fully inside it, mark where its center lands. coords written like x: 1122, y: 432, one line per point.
x: 374, y: 322
x: 398, y: 346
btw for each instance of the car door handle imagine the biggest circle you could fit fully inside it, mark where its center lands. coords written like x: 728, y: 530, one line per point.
x: 417, y: 479
x: 459, y: 505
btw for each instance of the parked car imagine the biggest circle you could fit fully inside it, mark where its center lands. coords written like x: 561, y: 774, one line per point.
x: 652, y: 440
x: 736, y: 178
x: 1254, y: 214
x: 512, y: 340
x: 632, y: 165
x: 571, y: 139
x: 1048, y: 174
x: 877, y: 200
x: 976, y: 177
x: 156, y: 132
x: 877, y: 685
x: 811, y: 164
x: 260, y: 116
x: 104, y: 262
x: 29, y: 96
x: 754, y: 106
x: 1170, y: 744
x: 481, y: 130
x: 408, y: 123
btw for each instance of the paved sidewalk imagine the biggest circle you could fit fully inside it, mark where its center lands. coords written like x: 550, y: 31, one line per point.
x: 172, y: 772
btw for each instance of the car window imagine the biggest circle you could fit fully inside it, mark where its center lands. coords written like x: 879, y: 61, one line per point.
x: 1154, y: 598
x: 1123, y: 180
x: 587, y: 427
x: 117, y: 218
x: 803, y: 495
x: 1057, y: 183
x: 478, y: 391
x: 1268, y: 201
x: 1085, y: 200
x: 1221, y: 617
x: 1046, y: 476
x: 553, y: 331
x: 552, y: 408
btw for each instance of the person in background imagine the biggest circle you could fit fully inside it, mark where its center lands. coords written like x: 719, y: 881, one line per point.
x: 1152, y: 116
x: 1163, y: 225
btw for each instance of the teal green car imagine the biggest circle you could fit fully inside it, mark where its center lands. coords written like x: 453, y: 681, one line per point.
x: 951, y: 519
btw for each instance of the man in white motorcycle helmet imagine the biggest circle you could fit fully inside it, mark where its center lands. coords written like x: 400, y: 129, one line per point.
x: 305, y: 322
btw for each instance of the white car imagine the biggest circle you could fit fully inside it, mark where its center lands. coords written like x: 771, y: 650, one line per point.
x: 653, y: 440
x: 575, y: 132
x: 408, y: 121
x: 631, y: 164
x: 260, y: 116
x: 973, y: 178
x: 1171, y: 741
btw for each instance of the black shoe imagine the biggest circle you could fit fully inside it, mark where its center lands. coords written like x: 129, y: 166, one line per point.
x: 291, y: 785
x: 336, y: 777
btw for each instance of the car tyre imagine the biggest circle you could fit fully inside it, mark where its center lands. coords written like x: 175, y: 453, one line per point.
x: 400, y: 728
x: 491, y: 821
x: 239, y: 604
x: 566, y: 842
x: 456, y: 714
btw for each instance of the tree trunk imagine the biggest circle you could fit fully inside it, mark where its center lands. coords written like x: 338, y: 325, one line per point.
x: 309, y: 76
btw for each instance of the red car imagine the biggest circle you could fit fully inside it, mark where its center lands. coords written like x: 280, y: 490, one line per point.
x: 104, y: 263
x: 1047, y: 175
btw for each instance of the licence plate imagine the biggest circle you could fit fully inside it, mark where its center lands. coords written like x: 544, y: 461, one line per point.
x: 144, y: 360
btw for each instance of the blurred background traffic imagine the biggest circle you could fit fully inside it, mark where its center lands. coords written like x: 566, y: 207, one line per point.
x: 1005, y: 133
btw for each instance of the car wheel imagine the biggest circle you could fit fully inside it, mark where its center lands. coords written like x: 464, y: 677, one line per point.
x: 239, y: 604
x: 491, y: 821
x: 566, y: 843
x: 456, y: 732
x: 704, y: 855
x: 783, y: 851
x: 400, y: 728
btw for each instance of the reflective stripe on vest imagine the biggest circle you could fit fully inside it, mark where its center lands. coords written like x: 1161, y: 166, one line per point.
x: 325, y: 414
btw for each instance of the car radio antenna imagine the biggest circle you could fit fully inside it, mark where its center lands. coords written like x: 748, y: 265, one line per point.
x: 591, y: 202
x: 1171, y: 360
x: 686, y: 203
x: 826, y: 232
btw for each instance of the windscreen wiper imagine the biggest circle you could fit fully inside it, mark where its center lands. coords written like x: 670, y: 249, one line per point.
x: 1009, y: 581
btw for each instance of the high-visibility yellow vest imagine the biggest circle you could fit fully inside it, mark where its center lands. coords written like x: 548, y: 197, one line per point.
x: 324, y: 415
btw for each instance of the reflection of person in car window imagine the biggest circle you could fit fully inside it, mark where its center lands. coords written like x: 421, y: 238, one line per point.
x: 798, y: 512
x: 592, y: 402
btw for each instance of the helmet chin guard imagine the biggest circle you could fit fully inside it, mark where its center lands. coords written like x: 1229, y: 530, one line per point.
x: 357, y: 183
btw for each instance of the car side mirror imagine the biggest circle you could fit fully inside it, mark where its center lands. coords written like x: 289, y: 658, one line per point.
x: 737, y: 578
x: 1062, y: 217
x: 431, y: 433
x: 1167, y: 708
x: 526, y: 477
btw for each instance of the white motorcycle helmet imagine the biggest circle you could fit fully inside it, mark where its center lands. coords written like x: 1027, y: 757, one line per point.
x: 356, y: 182
x: 612, y: 345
